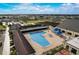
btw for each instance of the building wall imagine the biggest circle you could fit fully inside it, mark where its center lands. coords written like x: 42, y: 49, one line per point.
x: 70, y: 47
x: 73, y: 34
x: 68, y: 31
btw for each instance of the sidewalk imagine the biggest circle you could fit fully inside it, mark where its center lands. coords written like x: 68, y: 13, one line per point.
x: 6, y: 44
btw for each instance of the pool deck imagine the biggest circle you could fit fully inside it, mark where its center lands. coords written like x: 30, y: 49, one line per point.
x: 39, y: 49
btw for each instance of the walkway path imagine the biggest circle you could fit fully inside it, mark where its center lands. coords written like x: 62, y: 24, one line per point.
x: 6, y: 44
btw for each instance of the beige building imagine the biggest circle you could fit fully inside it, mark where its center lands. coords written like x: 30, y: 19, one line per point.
x: 70, y: 27
x: 73, y: 46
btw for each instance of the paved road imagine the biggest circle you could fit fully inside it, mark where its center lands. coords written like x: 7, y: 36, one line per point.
x: 6, y: 44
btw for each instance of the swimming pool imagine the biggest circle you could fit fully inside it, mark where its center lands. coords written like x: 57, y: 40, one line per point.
x: 38, y: 38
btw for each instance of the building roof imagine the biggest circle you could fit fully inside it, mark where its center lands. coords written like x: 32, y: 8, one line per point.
x: 5, y: 20
x: 35, y: 28
x: 74, y: 42
x: 72, y: 25
x: 21, y: 44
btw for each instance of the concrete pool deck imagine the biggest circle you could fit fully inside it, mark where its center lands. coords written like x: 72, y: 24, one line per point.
x: 52, y: 39
x: 39, y: 49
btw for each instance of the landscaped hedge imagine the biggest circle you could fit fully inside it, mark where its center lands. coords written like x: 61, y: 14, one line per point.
x: 0, y: 44
x: 48, y: 23
x: 53, y: 51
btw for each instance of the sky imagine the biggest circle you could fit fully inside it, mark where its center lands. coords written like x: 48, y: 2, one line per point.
x: 39, y: 8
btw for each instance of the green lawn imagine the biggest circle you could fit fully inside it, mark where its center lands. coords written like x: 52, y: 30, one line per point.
x: 34, y: 21
x: 2, y: 27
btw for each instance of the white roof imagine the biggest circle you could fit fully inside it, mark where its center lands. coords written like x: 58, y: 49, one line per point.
x: 74, y: 42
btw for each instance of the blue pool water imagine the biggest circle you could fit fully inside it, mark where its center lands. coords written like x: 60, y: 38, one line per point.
x: 38, y: 38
